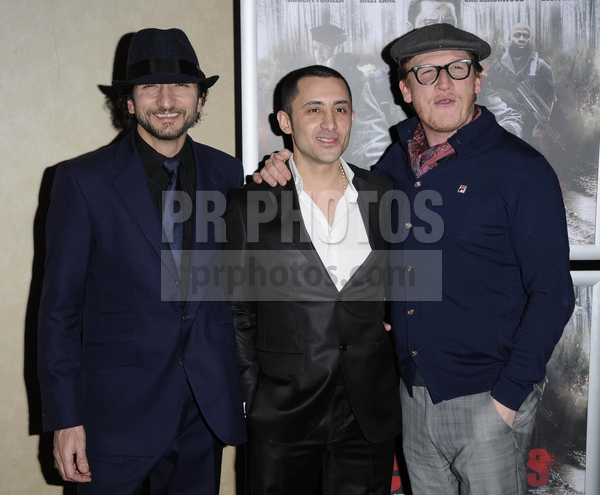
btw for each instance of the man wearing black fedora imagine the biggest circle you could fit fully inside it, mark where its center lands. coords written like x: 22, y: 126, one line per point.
x: 139, y: 379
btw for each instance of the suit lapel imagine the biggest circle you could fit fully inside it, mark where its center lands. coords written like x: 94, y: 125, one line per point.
x: 301, y: 239
x: 369, y: 215
x: 132, y: 185
x: 208, y: 179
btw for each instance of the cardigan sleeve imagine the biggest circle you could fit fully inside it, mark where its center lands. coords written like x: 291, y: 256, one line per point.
x: 539, y: 238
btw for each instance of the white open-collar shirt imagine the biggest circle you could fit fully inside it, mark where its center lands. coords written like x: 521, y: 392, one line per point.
x: 344, y: 245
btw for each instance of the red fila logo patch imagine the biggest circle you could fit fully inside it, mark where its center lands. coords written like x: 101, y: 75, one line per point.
x: 462, y: 189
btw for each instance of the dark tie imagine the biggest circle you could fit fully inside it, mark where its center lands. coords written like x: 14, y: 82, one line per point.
x: 173, y: 229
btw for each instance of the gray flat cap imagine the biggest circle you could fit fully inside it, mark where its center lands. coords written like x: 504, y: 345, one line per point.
x: 435, y: 38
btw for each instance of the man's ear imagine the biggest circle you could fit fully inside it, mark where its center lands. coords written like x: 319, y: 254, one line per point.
x: 130, y: 106
x: 478, y: 83
x: 200, y: 104
x: 406, y: 94
x: 284, y: 122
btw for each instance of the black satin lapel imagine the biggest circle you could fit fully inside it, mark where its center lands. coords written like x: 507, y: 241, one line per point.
x: 300, y: 238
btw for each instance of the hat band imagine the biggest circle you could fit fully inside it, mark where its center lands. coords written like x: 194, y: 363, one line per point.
x: 162, y: 66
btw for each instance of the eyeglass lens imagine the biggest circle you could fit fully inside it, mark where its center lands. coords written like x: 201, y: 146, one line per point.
x: 458, y: 70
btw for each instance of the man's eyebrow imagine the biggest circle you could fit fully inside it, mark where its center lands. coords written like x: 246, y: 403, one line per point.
x: 319, y: 102
x: 313, y: 102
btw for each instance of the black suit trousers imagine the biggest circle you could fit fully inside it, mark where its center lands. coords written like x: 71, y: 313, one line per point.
x: 190, y: 465
x: 337, y: 453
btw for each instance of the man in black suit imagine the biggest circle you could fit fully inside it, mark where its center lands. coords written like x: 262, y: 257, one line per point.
x: 317, y: 365
x: 138, y: 380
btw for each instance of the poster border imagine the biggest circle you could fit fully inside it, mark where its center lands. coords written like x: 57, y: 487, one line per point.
x: 248, y: 40
x: 592, y: 474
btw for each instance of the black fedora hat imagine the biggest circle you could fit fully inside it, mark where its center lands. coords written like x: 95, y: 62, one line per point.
x: 162, y: 56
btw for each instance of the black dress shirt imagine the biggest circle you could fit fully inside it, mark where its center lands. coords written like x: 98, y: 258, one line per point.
x: 159, y: 179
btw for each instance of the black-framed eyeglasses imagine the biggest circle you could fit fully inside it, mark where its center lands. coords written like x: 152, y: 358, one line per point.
x: 428, y: 74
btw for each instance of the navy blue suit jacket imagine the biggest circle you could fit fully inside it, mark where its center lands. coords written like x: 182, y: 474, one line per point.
x: 113, y: 356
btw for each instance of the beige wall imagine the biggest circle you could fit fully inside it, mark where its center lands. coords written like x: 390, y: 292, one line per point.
x: 54, y: 55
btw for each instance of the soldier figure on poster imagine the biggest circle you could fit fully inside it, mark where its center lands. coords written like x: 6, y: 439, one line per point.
x: 525, y: 82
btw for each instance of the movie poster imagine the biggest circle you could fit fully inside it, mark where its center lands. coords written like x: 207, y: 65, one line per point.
x: 557, y: 456
x: 542, y: 80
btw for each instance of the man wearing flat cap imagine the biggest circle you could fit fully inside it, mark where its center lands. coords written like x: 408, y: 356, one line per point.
x: 470, y: 362
x: 139, y: 380
x: 491, y: 206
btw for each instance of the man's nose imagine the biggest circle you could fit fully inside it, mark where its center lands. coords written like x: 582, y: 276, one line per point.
x: 444, y: 80
x: 328, y: 121
x: 166, y: 96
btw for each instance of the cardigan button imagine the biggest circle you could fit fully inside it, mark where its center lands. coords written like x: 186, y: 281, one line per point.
x: 180, y: 362
x: 411, y: 311
x: 414, y: 353
x: 418, y: 183
x: 408, y: 225
x: 343, y: 347
x: 187, y: 317
x: 409, y: 268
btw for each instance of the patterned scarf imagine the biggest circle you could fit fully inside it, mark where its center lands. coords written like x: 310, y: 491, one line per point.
x: 422, y: 157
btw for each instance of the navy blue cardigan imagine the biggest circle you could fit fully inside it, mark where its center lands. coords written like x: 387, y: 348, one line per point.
x: 506, y: 290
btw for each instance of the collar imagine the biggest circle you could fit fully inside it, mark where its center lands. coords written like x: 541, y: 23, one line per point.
x: 153, y: 160
x: 351, y: 194
x: 467, y: 139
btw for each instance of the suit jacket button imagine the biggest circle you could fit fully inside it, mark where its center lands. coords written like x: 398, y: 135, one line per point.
x: 180, y: 362
x: 343, y: 347
x: 411, y: 311
x: 186, y: 317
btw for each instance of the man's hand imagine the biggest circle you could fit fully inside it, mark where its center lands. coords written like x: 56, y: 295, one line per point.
x: 387, y: 326
x: 275, y: 170
x: 69, y: 454
x: 508, y: 415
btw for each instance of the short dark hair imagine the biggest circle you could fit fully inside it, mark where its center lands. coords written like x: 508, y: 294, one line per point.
x: 289, y: 89
x: 404, y: 67
x: 414, y: 9
x: 127, y: 94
